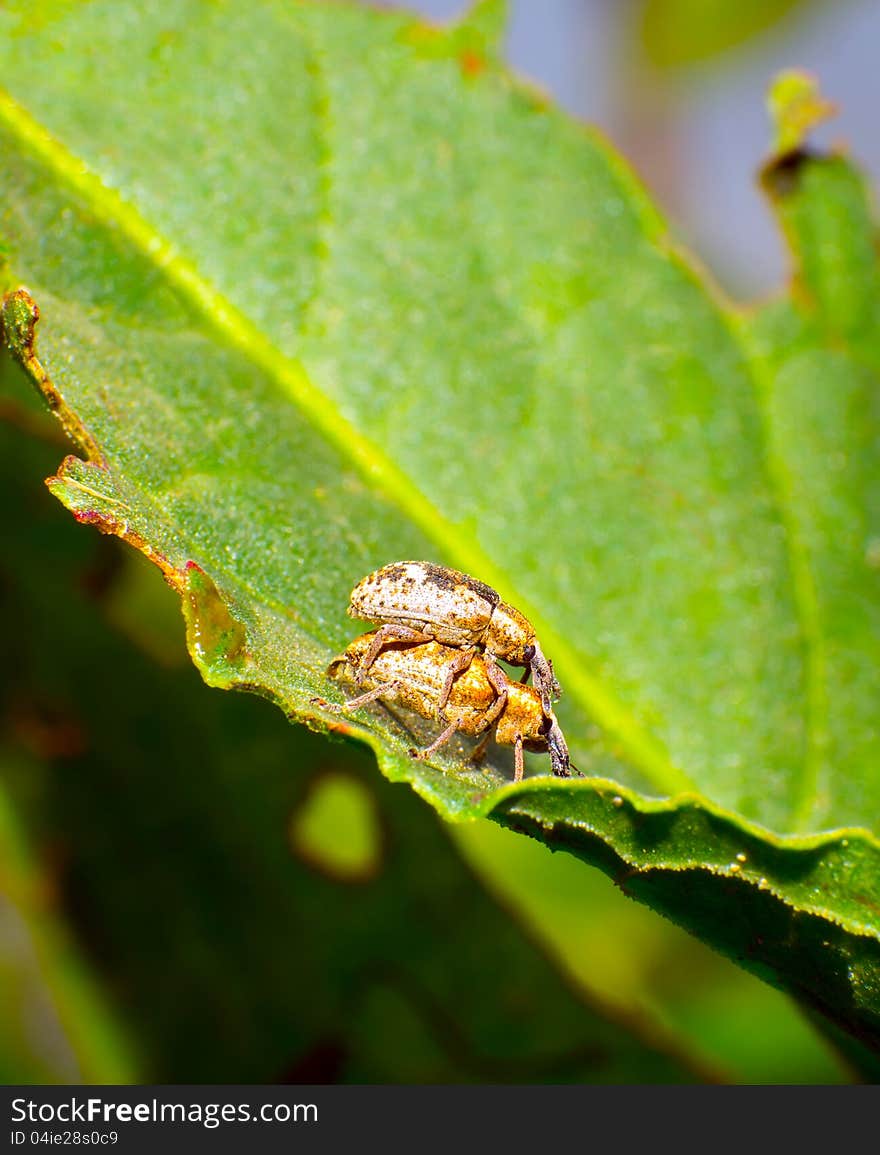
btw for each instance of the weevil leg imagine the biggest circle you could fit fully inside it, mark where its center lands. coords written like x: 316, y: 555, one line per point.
x: 387, y: 689
x: 518, y: 760
x: 479, y: 751
x: 461, y: 663
x: 499, y: 682
x: 427, y: 751
x: 382, y: 637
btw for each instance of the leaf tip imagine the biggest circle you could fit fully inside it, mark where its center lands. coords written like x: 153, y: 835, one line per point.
x: 19, y: 314
x: 796, y: 106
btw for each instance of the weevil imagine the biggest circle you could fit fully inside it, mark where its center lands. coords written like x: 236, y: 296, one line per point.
x: 415, y: 676
x: 417, y: 601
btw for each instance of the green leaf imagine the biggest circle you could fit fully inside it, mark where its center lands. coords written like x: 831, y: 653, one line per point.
x: 251, y: 902
x: 355, y: 302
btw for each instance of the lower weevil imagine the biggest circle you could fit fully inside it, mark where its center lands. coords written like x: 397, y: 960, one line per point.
x: 416, y: 676
x: 416, y: 602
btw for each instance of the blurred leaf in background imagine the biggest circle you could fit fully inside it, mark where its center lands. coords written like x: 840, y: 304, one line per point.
x: 682, y: 32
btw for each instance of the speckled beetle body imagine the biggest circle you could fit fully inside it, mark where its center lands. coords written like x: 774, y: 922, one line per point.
x: 417, y: 601
x: 415, y: 676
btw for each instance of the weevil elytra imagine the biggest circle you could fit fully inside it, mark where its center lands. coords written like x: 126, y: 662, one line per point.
x: 417, y: 601
x: 415, y: 677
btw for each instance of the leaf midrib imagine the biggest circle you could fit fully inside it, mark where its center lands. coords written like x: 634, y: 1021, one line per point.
x: 237, y: 330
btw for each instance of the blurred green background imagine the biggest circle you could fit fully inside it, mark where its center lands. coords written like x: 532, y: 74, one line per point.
x: 191, y: 890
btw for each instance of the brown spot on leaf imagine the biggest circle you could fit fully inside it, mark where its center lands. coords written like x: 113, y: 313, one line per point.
x: 472, y: 64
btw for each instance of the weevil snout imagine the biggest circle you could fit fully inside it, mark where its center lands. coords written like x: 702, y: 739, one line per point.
x: 560, y: 763
x: 543, y: 677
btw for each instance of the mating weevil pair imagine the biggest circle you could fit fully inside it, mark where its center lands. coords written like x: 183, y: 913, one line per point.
x: 435, y: 652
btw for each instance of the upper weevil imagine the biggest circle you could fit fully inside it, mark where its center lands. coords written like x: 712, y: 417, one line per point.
x: 417, y: 601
